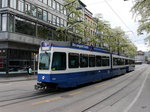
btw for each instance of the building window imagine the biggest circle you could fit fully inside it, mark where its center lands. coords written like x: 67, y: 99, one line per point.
x: 24, y: 26
x: 11, y: 23
x: 4, y: 22
x: 50, y: 3
x: 54, y: 21
x: 33, y: 10
x: 45, y: 15
x: 50, y: 34
x: 61, y: 22
x: 42, y: 31
x: 58, y: 21
x: 58, y: 6
x: 4, y: 3
x: 21, y: 5
x: 39, y: 14
x: 73, y: 60
x: 61, y: 9
x: 45, y: 1
x: 28, y: 8
x: 59, y: 61
x: 65, y: 23
x: 49, y: 18
x: 65, y: 11
x: 54, y: 4
x: 13, y: 4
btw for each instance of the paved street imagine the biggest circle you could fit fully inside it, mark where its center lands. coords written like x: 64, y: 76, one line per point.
x: 127, y: 93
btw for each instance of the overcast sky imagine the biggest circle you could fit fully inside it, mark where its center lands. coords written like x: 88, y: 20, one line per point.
x: 110, y: 10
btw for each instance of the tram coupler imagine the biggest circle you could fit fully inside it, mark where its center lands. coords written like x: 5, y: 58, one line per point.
x: 40, y: 86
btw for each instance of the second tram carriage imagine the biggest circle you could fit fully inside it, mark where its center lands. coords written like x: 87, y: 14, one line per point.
x: 65, y: 64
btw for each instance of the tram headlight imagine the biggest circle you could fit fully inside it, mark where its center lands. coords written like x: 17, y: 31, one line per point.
x: 43, y: 77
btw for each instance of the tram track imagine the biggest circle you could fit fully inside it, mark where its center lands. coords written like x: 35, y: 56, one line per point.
x: 24, y: 97
x: 36, y: 95
x: 102, y: 90
x: 124, y: 87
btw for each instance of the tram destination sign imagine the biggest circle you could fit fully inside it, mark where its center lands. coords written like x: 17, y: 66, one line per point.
x: 79, y: 46
x: 45, y: 46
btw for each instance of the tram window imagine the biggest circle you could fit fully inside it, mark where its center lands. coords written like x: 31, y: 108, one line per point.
x: 120, y: 61
x: 83, y: 60
x: 44, y: 61
x: 91, y: 61
x: 115, y: 61
x: 123, y: 61
x: 130, y: 62
x: 126, y: 62
x: 105, y: 60
x: 98, y: 61
x: 59, y: 61
x: 73, y: 60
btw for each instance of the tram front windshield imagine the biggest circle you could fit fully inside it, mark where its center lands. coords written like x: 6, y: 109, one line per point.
x: 44, y: 62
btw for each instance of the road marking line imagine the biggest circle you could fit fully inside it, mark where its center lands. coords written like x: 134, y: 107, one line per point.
x: 138, y: 95
x: 48, y: 100
x: 103, y: 84
x: 75, y: 93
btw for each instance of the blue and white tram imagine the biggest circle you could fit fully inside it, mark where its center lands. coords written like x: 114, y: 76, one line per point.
x: 65, y: 65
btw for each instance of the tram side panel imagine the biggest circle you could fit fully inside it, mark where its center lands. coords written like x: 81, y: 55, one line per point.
x: 118, y: 65
x: 71, y: 76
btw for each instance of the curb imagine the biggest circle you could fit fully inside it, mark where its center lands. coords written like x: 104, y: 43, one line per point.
x: 10, y: 80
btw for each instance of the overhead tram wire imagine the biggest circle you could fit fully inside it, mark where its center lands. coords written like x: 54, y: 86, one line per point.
x: 118, y: 16
x: 105, y: 1
x: 102, y: 1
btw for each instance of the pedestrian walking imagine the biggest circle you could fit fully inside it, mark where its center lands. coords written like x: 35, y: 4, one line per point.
x: 29, y: 71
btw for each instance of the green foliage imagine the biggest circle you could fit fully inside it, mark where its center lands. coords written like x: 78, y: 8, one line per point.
x: 73, y: 24
x: 142, y: 8
x: 113, y: 39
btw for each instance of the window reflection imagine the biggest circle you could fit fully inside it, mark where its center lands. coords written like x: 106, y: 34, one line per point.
x: 45, y: 15
x: 39, y: 13
x: 33, y: 11
x: 45, y: 1
x: 58, y: 21
x: 13, y: 4
x: 4, y: 22
x: 4, y: 3
x: 28, y: 8
x: 42, y: 31
x: 24, y: 26
x: 54, y: 20
x: 50, y: 3
x: 11, y: 23
x: 59, y: 61
x: 54, y: 4
x: 21, y: 5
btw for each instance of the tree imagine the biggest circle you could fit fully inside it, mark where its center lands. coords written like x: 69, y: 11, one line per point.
x: 73, y: 21
x: 103, y: 31
x: 142, y: 8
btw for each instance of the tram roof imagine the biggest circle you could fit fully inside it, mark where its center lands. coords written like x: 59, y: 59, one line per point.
x: 72, y: 45
x: 51, y: 43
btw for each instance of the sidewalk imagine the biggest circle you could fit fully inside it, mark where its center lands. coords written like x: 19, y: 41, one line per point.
x: 15, y: 79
